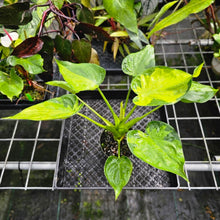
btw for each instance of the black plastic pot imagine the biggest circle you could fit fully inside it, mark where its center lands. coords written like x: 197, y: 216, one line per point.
x: 49, y: 93
x: 216, y: 66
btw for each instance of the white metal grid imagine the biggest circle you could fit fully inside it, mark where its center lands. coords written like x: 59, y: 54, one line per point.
x: 29, y: 153
x: 196, y: 124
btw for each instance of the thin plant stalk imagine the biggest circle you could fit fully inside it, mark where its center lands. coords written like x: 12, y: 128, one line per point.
x: 129, y: 114
x: 119, y: 148
x: 178, y: 5
x: 91, y: 120
x: 135, y: 120
x: 95, y: 112
x: 116, y: 119
x: 127, y: 98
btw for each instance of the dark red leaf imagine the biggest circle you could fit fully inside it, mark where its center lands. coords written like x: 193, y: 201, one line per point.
x: 28, y: 47
x: 93, y: 30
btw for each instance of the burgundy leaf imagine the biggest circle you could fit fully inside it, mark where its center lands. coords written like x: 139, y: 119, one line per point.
x: 93, y: 30
x: 28, y: 47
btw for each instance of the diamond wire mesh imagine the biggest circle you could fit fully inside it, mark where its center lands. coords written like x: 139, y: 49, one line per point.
x: 83, y: 163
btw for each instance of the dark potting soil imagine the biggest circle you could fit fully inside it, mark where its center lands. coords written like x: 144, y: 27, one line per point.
x: 110, y: 146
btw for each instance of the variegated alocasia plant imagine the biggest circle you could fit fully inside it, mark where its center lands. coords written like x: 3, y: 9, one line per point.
x: 159, y: 145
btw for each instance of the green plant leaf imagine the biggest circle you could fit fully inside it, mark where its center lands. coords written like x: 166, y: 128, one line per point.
x: 197, y: 70
x: 101, y: 19
x: 181, y: 14
x: 82, y: 50
x: 217, y: 38
x: 63, y: 47
x: 118, y: 172
x: 57, y: 108
x: 33, y: 64
x: 199, y: 93
x: 145, y: 19
x: 85, y: 15
x: 160, y: 147
x: 119, y: 34
x: 123, y: 12
x: 160, y: 85
x: 15, y: 14
x: 11, y: 85
x: 4, y: 52
x: 138, y: 38
x: 162, y: 11
x: 61, y: 84
x: 81, y: 76
x: 30, y: 29
x: 149, y: 6
x: 47, y: 53
x: 136, y: 63
x: 58, y: 3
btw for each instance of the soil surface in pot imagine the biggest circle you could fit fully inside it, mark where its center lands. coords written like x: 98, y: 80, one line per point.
x: 110, y: 146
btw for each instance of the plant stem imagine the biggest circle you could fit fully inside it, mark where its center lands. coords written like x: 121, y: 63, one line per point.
x: 135, y: 120
x: 119, y: 148
x: 44, y: 16
x: 91, y: 120
x: 213, y: 17
x: 35, y: 6
x: 129, y: 114
x: 127, y: 98
x: 178, y: 5
x: 116, y: 119
x: 96, y: 113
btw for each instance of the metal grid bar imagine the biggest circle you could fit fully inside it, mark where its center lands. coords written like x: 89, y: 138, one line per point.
x: 199, y: 165
x: 9, y: 149
x: 169, y: 48
x: 27, y: 167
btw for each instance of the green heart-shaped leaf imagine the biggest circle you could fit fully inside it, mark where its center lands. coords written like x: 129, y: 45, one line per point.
x: 136, y: 63
x: 82, y: 50
x: 199, y: 93
x: 57, y: 108
x: 160, y: 147
x: 11, y: 85
x: 81, y: 76
x: 63, y: 47
x: 85, y: 15
x: 123, y: 12
x: 33, y: 64
x: 160, y: 86
x: 118, y: 172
